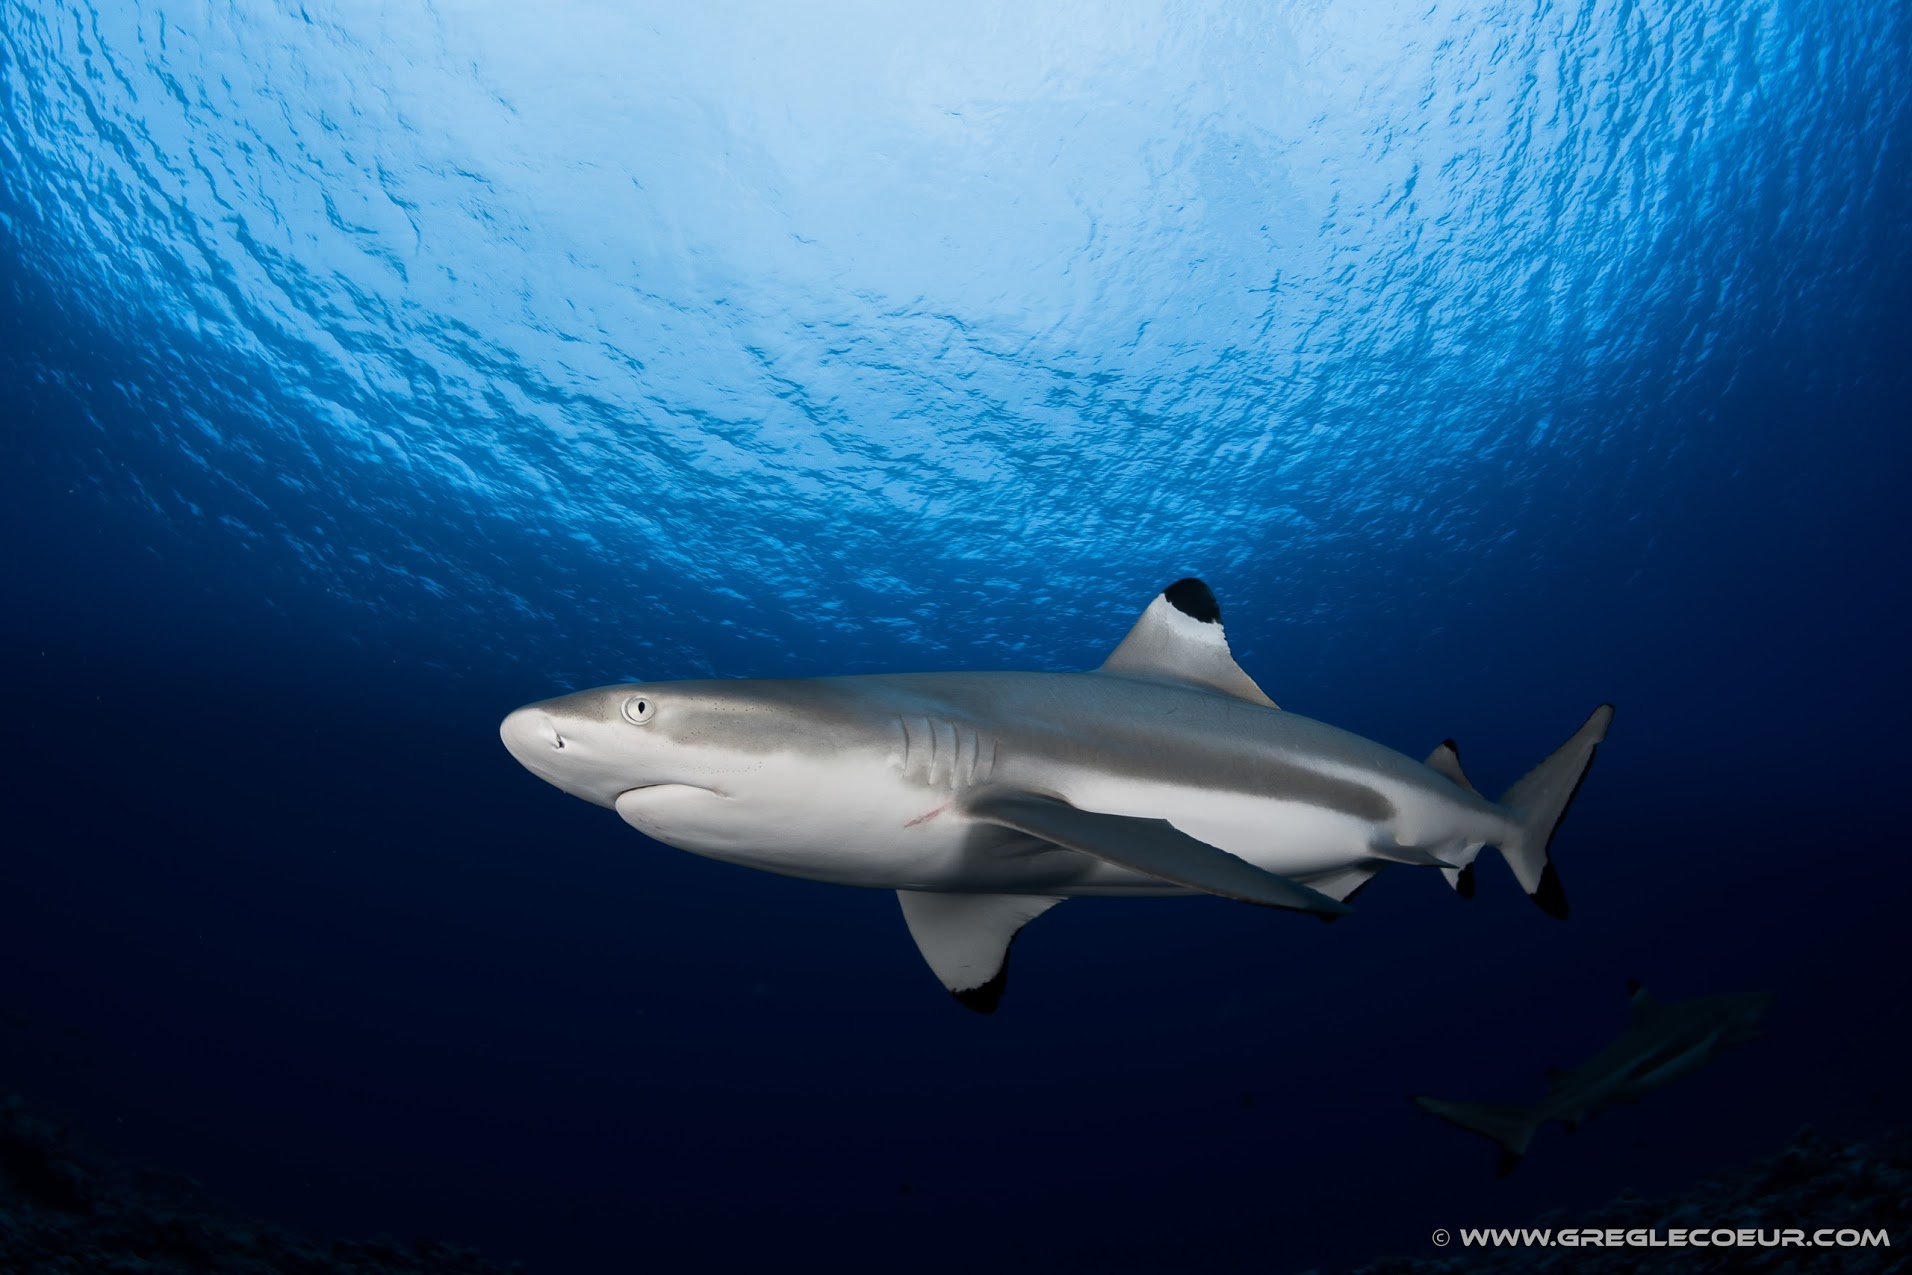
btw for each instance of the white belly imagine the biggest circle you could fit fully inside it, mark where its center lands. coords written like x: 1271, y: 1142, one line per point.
x: 893, y: 832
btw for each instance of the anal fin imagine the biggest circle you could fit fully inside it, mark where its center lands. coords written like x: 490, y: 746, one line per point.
x: 966, y: 937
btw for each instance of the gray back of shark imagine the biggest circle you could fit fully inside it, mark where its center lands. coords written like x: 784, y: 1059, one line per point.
x: 985, y: 798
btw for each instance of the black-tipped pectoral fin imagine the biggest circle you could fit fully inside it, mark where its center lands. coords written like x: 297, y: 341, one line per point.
x: 1153, y: 846
x: 965, y: 938
x: 984, y: 999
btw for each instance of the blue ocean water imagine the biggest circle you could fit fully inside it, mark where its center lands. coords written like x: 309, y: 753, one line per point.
x: 369, y: 372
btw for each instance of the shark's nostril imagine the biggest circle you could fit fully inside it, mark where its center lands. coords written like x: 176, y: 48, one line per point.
x: 557, y: 740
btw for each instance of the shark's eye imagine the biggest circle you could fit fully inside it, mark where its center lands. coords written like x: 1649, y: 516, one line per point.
x: 639, y: 709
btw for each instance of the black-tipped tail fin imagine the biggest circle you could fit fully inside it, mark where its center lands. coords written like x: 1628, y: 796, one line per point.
x: 1540, y: 801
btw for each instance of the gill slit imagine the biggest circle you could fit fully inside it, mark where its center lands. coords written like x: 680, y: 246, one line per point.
x: 945, y: 754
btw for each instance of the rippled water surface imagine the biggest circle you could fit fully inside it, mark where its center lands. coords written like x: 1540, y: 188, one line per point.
x: 484, y: 308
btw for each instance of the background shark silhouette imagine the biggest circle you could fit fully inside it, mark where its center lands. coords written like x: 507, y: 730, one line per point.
x: 1662, y: 1043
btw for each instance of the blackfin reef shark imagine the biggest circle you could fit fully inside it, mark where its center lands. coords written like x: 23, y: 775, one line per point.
x: 986, y: 798
x: 1664, y: 1041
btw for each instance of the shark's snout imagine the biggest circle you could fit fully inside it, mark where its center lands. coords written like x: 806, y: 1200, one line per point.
x: 576, y: 751
x: 532, y: 737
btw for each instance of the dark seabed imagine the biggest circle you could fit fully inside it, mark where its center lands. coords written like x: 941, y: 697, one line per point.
x: 369, y: 374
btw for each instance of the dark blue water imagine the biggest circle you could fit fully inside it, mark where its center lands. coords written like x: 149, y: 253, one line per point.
x: 367, y: 375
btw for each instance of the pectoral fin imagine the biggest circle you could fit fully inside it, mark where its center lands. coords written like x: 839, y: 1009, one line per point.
x: 1154, y: 846
x: 966, y: 937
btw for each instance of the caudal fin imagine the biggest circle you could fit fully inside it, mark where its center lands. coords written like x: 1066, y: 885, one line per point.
x: 1511, y: 1127
x: 1539, y: 802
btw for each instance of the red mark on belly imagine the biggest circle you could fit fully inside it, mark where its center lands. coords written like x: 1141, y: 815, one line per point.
x: 926, y: 818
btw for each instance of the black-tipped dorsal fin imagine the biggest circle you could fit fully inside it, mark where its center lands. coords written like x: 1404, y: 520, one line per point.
x: 1179, y: 639
x: 1446, y: 760
x: 966, y: 937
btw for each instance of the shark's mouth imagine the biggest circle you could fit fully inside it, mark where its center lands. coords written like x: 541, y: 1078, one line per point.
x: 653, y: 808
x: 662, y: 792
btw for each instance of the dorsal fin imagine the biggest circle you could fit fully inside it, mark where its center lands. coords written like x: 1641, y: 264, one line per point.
x: 966, y: 937
x: 1179, y: 639
x: 1446, y: 760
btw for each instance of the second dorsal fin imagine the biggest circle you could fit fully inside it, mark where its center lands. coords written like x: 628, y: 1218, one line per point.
x: 1446, y: 760
x: 1179, y: 639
